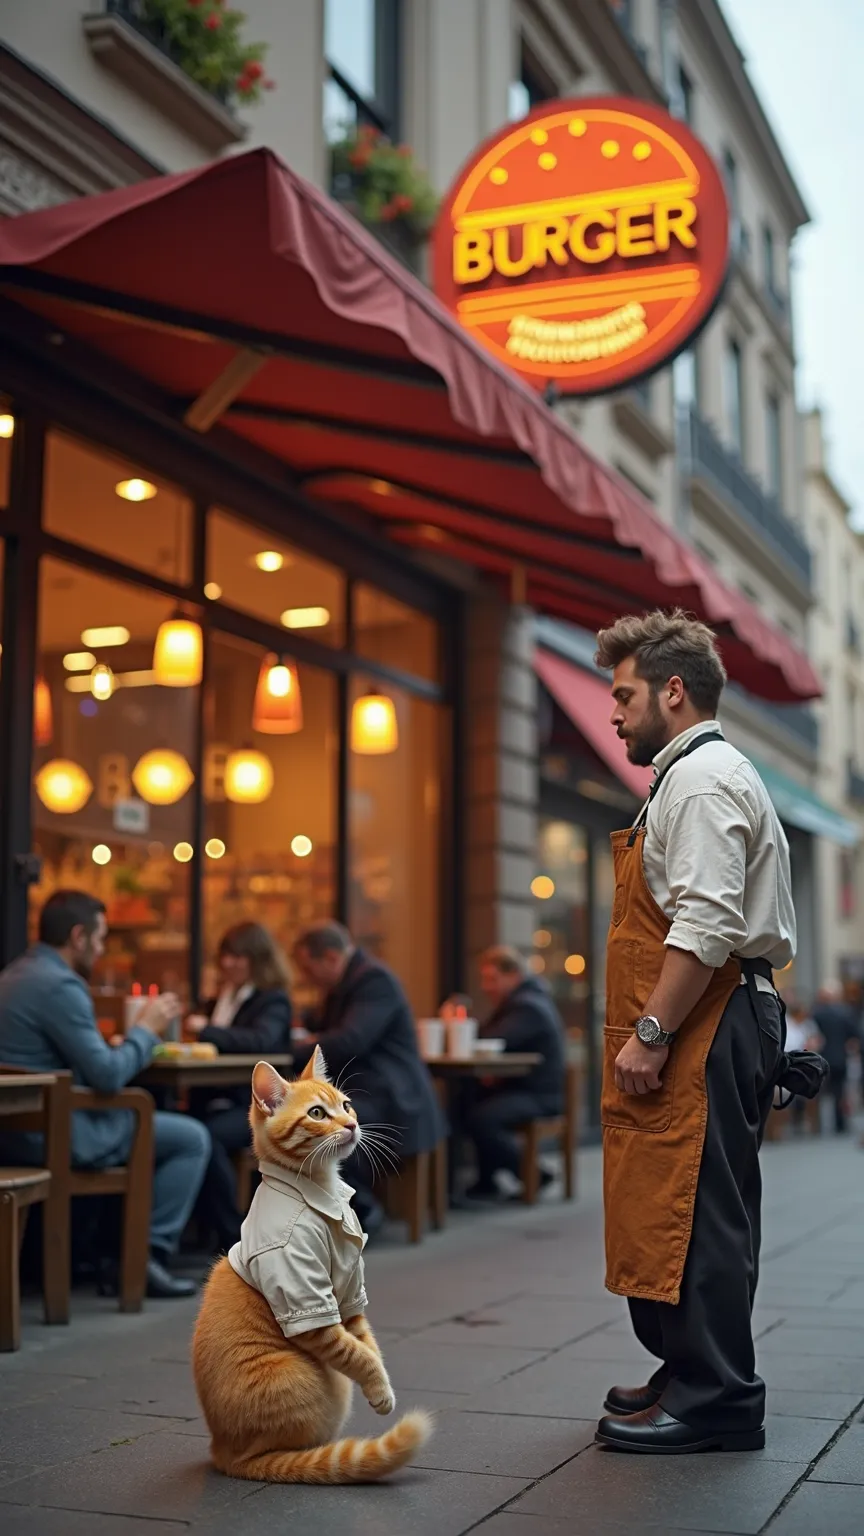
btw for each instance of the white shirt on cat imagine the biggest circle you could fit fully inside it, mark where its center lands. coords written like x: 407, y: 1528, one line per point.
x: 302, y: 1248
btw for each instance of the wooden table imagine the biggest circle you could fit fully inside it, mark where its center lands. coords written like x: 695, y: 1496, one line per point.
x: 219, y: 1072
x: 505, y: 1064
x: 21, y: 1093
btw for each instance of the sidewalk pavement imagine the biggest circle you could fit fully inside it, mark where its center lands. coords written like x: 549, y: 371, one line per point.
x: 501, y: 1324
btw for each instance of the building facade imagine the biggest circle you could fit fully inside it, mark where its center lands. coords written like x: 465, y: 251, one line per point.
x: 89, y: 102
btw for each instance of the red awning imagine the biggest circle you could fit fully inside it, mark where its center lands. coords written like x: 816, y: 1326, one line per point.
x: 587, y: 703
x: 251, y: 300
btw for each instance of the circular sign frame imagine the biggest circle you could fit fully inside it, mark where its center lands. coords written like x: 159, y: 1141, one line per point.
x: 586, y: 244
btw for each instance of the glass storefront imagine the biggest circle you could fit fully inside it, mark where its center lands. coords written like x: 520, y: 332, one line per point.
x: 225, y: 726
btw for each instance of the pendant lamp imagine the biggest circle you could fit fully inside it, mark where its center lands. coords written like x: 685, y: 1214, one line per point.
x: 278, y: 708
x: 178, y: 653
x: 374, y: 729
x: 248, y: 777
x: 63, y: 786
x: 43, y: 713
x: 162, y: 777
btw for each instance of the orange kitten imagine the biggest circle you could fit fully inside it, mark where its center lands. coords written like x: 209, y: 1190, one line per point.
x: 282, y: 1334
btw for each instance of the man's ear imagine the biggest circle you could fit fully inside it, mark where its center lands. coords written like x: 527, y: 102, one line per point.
x: 316, y: 1066
x: 268, y: 1088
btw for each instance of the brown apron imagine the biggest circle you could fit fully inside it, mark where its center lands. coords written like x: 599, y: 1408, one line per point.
x: 652, y: 1143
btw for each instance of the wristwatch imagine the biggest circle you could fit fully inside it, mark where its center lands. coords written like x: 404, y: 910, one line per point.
x: 650, y: 1031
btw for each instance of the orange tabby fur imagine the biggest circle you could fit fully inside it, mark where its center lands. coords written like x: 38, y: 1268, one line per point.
x: 275, y: 1407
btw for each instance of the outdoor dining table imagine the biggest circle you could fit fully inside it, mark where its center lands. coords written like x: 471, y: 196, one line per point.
x: 451, y: 1071
x: 181, y: 1074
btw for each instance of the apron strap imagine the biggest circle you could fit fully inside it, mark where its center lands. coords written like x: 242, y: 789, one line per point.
x: 692, y: 746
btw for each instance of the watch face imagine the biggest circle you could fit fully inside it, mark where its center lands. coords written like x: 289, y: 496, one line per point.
x: 648, y: 1030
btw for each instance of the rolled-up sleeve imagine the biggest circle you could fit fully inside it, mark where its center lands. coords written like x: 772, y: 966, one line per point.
x: 296, y: 1281
x: 355, y: 1299
x: 706, y: 834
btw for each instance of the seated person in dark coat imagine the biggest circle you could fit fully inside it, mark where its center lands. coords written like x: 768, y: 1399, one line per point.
x: 526, y: 1019
x: 366, y: 1030
x: 47, y: 1022
x: 250, y: 1017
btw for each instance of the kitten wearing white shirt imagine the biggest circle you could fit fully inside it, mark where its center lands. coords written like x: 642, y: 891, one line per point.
x: 282, y: 1333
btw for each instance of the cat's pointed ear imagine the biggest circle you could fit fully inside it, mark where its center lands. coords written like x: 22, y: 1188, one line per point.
x: 268, y: 1088
x: 316, y: 1066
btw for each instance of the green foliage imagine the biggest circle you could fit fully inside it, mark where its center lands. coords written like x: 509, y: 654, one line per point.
x: 205, y: 37
x: 384, y: 181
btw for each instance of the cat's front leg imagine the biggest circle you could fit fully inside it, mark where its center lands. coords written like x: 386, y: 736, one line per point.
x: 359, y: 1326
x: 337, y: 1347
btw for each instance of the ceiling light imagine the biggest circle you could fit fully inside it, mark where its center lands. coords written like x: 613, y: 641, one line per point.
x: 542, y: 887
x: 213, y: 591
x: 110, y: 634
x: 278, y: 707
x: 248, y: 777
x: 301, y: 846
x: 214, y: 848
x: 269, y: 560
x: 574, y: 965
x: 43, y: 714
x: 101, y: 682
x: 79, y: 661
x: 162, y: 777
x: 374, y: 729
x: 101, y: 854
x: 135, y: 490
x: 7, y: 425
x: 63, y: 786
x: 305, y: 618
x: 79, y: 684
x: 183, y: 852
x: 178, y: 655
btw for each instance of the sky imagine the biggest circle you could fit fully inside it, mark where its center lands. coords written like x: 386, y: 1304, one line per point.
x: 806, y: 61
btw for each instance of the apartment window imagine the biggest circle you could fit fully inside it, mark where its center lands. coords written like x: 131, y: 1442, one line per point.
x: 739, y: 237
x: 774, y: 446
x: 532, y: 87
x: 685, y: 90
x: 361, y: 43
x: 768, y: 260
x: 734, y: 397
x: 685, y: 380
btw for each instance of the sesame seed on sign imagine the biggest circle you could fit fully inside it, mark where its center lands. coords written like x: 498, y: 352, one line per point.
x: 498, y: 176
x: 642, y: 150
x: 610, y: 148
x: 539, y: 136
x: 578, y: 127
x: 547, y: 162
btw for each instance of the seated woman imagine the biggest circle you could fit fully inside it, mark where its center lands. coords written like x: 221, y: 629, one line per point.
x: 251, y: 1016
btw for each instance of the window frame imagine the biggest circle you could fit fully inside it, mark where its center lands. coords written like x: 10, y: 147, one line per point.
x: 381, y: 110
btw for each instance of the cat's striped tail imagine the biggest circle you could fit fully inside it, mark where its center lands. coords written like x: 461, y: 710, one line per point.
x: 345, y: 1461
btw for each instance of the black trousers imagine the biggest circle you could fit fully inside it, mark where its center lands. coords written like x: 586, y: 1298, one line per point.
x: 490, y: 1124
x: 836, y: 1090
x: 708, y: 1372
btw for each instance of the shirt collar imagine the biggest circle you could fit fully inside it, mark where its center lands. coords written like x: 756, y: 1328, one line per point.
x: 40, y: 951
x: 336, y: 1205
x: 675, y: 747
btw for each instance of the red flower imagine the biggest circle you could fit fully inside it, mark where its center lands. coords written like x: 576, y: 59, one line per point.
x: 196, y: 3
x: 213, y: 22
x: 389, y: 211
x: 403, y: 203
x: 359, y: 157
x: 253, y: 70
x: 405, y: 151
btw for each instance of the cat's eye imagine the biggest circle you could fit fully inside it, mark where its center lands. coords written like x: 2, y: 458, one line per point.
x: 316, y: 1113
x: 346, y: 1105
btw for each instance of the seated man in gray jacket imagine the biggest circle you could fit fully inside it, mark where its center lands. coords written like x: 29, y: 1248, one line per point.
x: 47, y: 1023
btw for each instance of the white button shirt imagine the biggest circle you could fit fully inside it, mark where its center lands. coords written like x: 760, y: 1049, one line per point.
x: 716, y: 858
x: 302, y: 1248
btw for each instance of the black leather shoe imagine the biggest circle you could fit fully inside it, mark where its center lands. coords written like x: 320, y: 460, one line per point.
x: 624, y: 1400
x: 655, y: 1433
x: 162, y: 1286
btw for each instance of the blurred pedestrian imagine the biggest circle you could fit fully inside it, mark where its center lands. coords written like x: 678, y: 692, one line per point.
x: 802, y: 1034
x: 837, y: 1025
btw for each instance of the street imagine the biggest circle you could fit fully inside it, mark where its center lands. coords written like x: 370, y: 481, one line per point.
x: 501, y: 1324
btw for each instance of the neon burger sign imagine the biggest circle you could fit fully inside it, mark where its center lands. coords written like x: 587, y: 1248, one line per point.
x: 586, y: 244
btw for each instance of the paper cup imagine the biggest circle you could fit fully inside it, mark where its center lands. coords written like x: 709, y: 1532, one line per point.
x: 462, y: 1037
x: 431, y: 1036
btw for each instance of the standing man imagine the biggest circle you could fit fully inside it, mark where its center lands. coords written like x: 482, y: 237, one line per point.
x: 835, y: 1021
x: 366, y: 1030
x: 702, y: 916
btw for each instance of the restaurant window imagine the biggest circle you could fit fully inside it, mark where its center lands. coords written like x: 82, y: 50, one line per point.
x: 361, y: 44
x: 774, y: 446
x: 532, y: 87
x: 112, y: 772
x: 259, y: 573
x: 394, y: 814
x: 562, y: 936
x: 7, y: 432
x: 389, y: 632
x: 686, y: 95
x: 270, y: 788
x: 116, y: 507
x: 734, y: 397
x: 685, y: 379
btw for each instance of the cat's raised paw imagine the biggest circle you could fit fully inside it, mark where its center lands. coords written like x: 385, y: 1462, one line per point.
x: 385, y: 1402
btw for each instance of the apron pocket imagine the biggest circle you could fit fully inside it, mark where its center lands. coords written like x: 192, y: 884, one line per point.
x: 650, y: 1112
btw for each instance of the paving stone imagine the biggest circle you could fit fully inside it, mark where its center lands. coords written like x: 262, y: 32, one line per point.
x: 557, y: 1388
x: 503, y: 1443
x: 845, y: 1460
x: 18, y: 1391
x: 166, y: 1475
x: 799, y: 1403
x: 422, y: 1503
x: 450, y: 1367
x: 530, y: 1322
x: 710, y: 1493
x: 511, y: 1524
x: 822, y: 1509
x: 51, y: 1432
x: 792, y: 1439
x: 13, y: 1471
x: 66, y: 1522
x: 791, y: 1339
x: 156, y: 1388
x: 821, y: 1372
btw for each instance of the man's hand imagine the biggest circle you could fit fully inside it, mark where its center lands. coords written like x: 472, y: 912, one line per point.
x: 159, y: 1013
x: 638, y: 1067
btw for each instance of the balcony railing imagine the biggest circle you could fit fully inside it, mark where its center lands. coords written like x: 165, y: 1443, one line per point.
x: 133, y: 12
x: 706, y: 456
x: 855, y: 784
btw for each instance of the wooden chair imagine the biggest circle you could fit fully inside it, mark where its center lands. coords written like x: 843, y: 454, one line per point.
x: 19, y: 1189
x: 134, y: 1182
x: 418, y: 1189
x: 562, y: 1128
x: 245, y: 1164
